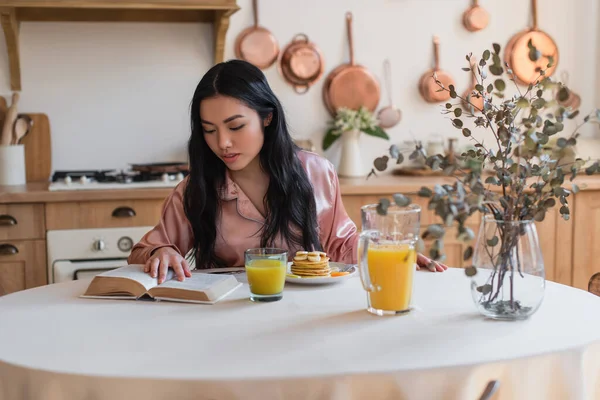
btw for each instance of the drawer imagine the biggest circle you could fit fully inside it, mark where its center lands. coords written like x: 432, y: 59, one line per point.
x: 103, y: 214
x: 22, y: 265
x: 22, y: 221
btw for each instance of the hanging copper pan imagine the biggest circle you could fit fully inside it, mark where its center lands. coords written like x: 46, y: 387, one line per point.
x: 256, y: 44
x: 516, y: 53
x: 428, y: 88
x: 474, y: 100
x: 301, y: 63
x: 475, y: 18
x: 351, y: 85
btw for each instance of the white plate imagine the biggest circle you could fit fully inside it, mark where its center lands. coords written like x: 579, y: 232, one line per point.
x: 326, y: 279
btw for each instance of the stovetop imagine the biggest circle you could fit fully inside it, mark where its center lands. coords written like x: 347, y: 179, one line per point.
x: 113, y: 179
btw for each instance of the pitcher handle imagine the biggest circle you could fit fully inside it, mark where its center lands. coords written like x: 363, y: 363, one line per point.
x: 363, y: 253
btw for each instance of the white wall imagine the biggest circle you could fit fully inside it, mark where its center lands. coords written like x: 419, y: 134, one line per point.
x: 120, y: 93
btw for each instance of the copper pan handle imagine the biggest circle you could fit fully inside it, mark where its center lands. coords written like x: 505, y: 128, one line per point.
x: 255, y: 12
x: 350, y: 42
x: 301, y: 37
x: 436, y: 52
x: 534, y: 11
x: 387, y: 72
x: 298, y: 88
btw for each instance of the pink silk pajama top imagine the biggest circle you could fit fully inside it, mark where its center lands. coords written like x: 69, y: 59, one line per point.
x: 240, y: 222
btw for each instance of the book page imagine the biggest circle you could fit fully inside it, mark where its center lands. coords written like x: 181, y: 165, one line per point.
x: 136, y: 272
x: 199, y: 282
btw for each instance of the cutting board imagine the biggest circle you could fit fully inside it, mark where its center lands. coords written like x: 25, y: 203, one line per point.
x: 38, y: 149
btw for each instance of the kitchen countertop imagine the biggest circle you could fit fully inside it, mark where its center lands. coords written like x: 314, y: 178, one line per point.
x: 383, y: 184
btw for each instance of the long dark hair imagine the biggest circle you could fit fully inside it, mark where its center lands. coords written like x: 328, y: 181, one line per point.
x: 290, y: 202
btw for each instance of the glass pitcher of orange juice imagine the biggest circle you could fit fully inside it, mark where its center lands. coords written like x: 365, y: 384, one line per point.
x: 387, y: 257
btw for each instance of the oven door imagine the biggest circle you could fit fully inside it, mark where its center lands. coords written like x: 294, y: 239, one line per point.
x: 66, y: 270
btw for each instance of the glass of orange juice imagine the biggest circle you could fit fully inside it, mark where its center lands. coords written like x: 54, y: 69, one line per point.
x: 387, y: 257
x: 266, y: 269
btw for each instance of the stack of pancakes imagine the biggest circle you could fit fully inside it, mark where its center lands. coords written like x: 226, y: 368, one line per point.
x: 311, y: 264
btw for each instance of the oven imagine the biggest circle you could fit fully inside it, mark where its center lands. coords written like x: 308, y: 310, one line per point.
x: 83, y: 253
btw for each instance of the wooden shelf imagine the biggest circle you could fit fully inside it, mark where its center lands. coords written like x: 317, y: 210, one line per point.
x: 12, y: 12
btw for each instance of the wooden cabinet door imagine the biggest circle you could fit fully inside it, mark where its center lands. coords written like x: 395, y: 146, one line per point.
x: 22, y: 265
x: 586, y: 238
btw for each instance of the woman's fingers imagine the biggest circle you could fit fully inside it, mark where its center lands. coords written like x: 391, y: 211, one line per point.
x: 186, y: 268
x: 177, y: 268
x: 154, y: 263
x: 164, y: 267
x: 433, y: 266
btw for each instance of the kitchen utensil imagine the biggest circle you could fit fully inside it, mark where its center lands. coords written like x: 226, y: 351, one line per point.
x: 38, y: 149
x: 21, y: 127
x: 516, y: 53
x: 9, y: 120
x: 350, y: 85
x: 301, y: 63
x: 256, y: 44
x: 429, y: 89
x: 476, y: 17
x: 573, y: 101
x: 389, y: 116
x: 474, y: 100
x: 3, y: 110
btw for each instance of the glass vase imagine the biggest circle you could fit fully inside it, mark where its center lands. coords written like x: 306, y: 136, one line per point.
x: 510, y: 278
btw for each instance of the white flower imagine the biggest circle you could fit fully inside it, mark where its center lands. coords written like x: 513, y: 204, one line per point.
x: 347, y: 120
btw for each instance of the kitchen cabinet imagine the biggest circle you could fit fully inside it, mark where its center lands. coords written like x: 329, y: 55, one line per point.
x: 22, y: 265
x: 586, y: 238
x: 12, y: 12
x: 22, y: 247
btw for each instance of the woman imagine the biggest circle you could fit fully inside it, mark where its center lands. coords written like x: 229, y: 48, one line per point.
x: 248, y: 186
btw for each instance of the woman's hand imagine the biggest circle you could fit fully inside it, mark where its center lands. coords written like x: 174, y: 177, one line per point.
x: 162, y: 259
x: 423, y: 262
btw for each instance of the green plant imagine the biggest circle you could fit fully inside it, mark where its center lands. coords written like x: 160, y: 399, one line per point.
x: 347, y: 119
x: 527, y: 174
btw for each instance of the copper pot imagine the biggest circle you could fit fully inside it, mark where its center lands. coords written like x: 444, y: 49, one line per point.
x: 475, y: 18
x: 256, y: 44
x: 516, y: 53
x: 301, y: 63
x: 428, y: 87
x: 351, y: 85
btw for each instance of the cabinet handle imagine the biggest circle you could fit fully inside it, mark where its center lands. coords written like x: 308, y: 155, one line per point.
x: 8, y: 250
x: 7, y: 220
x: 123, y: 212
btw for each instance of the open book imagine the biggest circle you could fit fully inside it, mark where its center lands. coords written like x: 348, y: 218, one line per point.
x: 131, y: 282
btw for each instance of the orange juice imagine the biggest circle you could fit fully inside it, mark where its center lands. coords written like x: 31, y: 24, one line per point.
x: 391, y: 269
x: 266, y: 277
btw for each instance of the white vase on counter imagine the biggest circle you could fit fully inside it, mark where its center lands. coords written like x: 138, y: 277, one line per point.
x: 351, y: 163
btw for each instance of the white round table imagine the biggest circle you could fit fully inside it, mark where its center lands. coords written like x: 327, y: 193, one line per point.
x: 317, y: 343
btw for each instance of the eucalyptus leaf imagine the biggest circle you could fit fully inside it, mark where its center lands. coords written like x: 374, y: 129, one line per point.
x: 468, y: 253
x: 493, y: 241
x: 401, y: 200
x: 471, y: 271
x: 500, y: 85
